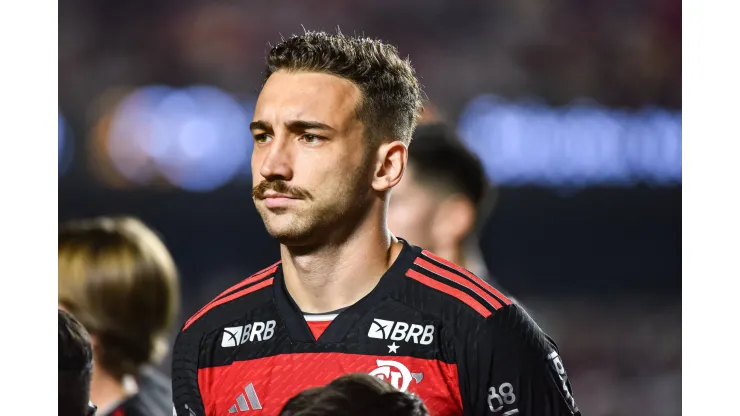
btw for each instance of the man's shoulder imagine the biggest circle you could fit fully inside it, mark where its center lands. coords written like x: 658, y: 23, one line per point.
x: 154, y: 397
x: 448, y: 291
x: 248, y: 293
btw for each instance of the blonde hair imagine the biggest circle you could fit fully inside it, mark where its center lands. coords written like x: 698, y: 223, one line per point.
x: 119, y: 280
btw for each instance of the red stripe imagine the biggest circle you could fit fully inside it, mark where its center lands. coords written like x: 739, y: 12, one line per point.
x: 226, y: 299
x: 278, y: 378
x: 482, y: 283
x: 251, y: 279
x: 459, y: 280
x: 450, y: 291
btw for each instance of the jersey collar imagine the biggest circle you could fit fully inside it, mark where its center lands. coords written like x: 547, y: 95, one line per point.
x: 298, y: 329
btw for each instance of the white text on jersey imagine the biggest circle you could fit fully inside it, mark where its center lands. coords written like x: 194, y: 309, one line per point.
x: 253, y: 332
x: 401, y: 331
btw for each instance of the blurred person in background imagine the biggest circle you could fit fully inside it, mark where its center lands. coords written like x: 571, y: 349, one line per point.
x: 354, y: 395
x: 331, y: 129
x: 443, y: 199
x: 75, y: 368
x: 119, y: 280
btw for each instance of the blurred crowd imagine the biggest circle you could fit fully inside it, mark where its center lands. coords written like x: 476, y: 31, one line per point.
x: 620, y: 54
x: 624, y: 357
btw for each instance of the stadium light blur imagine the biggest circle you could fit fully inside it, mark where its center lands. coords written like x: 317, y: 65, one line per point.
x: 196, y: 138
x: 248, y: 104
x: 529, y: 143
x: 60, y: 146
x: 64, y: 146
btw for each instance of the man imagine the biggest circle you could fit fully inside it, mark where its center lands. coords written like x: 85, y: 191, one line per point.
x: 354, y: 395
x: 331, y: 127
x: 118, y: 279
x: 443, y: 198
x: 75, y: 368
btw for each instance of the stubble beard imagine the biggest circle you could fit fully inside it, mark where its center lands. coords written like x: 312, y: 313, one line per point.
x: 322, y: 220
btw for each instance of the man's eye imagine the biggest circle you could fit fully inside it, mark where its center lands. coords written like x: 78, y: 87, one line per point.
x: 310, y: 138
x: 261, y: 137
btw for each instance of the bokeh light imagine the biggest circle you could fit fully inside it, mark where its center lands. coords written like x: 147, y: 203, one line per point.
x: 583, y: 144
x: 196, y: 138
x: 64, y: 145
x: 60, y: 146
x: 248, y: 103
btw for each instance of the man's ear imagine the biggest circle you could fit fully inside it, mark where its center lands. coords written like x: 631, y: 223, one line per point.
x: 391, y: 159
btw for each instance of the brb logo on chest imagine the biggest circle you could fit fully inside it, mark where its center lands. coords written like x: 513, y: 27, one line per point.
x: 401, y: 331
x: 256, y: 331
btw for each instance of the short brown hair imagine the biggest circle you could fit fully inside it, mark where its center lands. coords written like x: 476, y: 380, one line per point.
x: 391, y: 94
x: 354, y: 395
x: 119, y: 280
x: 75, y: 365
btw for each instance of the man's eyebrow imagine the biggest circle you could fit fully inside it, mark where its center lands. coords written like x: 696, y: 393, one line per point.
x: 300, y: 125
x: 260, y: 125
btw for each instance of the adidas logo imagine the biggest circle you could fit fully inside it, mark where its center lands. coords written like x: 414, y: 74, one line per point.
x: 241, y: 402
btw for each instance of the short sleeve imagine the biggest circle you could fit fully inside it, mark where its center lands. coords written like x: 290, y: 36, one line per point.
x: 509, y: 366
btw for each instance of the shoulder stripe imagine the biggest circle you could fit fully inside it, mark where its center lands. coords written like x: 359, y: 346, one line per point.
x: 459, y: 280
x: 473, y: 278
x: 251, y: 279
x: 462, y: 296
x: 229, y: 298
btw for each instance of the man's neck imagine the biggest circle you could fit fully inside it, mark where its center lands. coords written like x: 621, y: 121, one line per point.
x: 106, y: 391
x: 338, y: 275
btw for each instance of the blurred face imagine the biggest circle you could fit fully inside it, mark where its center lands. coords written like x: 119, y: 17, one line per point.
x: 310, y: 165
x: 412, y: 210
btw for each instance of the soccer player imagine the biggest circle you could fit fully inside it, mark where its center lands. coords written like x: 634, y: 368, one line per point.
x: 331, y: 128
x: 118, y: 279
x: 354, y: 395
x: 75, y: 368
x: 443, y: 198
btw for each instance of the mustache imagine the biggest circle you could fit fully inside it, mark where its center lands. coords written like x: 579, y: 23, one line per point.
x: 279, y: 186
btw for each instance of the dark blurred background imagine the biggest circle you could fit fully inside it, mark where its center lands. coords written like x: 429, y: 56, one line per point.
x: 573, y: 105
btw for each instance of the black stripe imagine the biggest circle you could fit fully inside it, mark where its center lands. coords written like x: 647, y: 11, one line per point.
x: 430, y: 274
x: 444, y: 266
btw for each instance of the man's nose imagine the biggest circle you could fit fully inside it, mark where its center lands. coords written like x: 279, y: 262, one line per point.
x: 278, y: 160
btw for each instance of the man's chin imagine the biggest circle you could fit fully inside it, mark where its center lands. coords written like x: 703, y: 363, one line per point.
x: 292, y: 239
x: 284, y: 231
x: 291, y: 236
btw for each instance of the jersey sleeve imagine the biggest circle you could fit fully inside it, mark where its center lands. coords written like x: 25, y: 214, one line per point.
x: 510, y: 367
x: 186, y: 396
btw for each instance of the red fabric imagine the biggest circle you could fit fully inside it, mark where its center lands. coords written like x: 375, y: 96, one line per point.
x: 278, y: 378
x: 318, y: 328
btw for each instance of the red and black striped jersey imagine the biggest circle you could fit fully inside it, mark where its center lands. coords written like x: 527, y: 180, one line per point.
x: 429, y: 327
